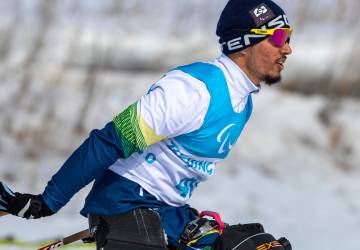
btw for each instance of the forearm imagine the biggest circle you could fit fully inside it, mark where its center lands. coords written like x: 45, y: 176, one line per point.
x: 99, y: 151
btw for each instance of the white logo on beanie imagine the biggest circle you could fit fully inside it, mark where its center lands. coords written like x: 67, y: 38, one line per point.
x: 261, y: 14
x: 259, y: 11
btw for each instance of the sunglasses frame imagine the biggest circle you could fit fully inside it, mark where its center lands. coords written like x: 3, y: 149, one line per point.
x: 269, y: 32
x: 272, y: 37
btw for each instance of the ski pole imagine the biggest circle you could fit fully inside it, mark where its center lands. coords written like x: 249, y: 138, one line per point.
x: 67, y: 240
x: 3, y: 213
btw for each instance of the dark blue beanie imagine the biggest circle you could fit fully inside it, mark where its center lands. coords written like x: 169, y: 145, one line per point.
x: 239, y: 16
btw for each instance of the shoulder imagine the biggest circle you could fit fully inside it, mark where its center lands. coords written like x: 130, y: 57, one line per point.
x: 202, y: 71
x: 178, y: 85
x: 175, y: 104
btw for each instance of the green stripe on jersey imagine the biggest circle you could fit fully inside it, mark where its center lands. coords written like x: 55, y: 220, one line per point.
x: 128, y: 130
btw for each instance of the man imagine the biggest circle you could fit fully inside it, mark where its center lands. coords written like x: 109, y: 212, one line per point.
x: 147, y: 161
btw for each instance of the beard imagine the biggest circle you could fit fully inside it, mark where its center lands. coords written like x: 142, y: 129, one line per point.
x: 271, y: 80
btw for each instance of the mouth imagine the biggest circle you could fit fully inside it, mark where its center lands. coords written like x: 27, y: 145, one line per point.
x: 281, y: 63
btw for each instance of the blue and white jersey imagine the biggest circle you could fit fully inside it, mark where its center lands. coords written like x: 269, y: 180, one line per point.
x: 200, y: 111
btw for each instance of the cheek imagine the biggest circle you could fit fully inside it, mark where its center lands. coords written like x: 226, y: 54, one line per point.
x: 261, y: 60
x: 266, y: 59
x: 262, y: 63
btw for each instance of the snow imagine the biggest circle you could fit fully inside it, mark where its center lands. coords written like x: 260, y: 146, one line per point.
x: 295, y: 168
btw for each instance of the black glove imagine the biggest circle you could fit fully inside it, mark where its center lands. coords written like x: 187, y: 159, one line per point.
x: 28, y: 206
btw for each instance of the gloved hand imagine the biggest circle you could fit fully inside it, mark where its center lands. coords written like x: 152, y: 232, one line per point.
x: 28, y: 206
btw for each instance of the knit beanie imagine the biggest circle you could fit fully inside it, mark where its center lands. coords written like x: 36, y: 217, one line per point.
x: 239, y: 16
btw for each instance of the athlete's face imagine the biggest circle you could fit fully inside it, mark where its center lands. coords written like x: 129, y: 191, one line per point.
x: 265, y: 61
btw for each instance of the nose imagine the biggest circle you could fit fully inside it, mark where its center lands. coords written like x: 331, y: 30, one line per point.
x: 286, y: 49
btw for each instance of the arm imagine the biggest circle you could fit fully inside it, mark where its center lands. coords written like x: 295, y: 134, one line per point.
x: 99, y: 151
x: 157, y: 115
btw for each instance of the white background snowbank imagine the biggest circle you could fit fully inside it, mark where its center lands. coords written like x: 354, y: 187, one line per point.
x: 295, y: 168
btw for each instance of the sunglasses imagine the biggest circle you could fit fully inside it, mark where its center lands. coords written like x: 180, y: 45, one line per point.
x: 278, y: 36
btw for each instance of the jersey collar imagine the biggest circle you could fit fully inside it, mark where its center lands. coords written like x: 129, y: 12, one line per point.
x: 236, y: 77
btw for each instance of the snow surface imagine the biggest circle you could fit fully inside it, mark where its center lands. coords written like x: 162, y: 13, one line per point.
x: 295, y: 168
